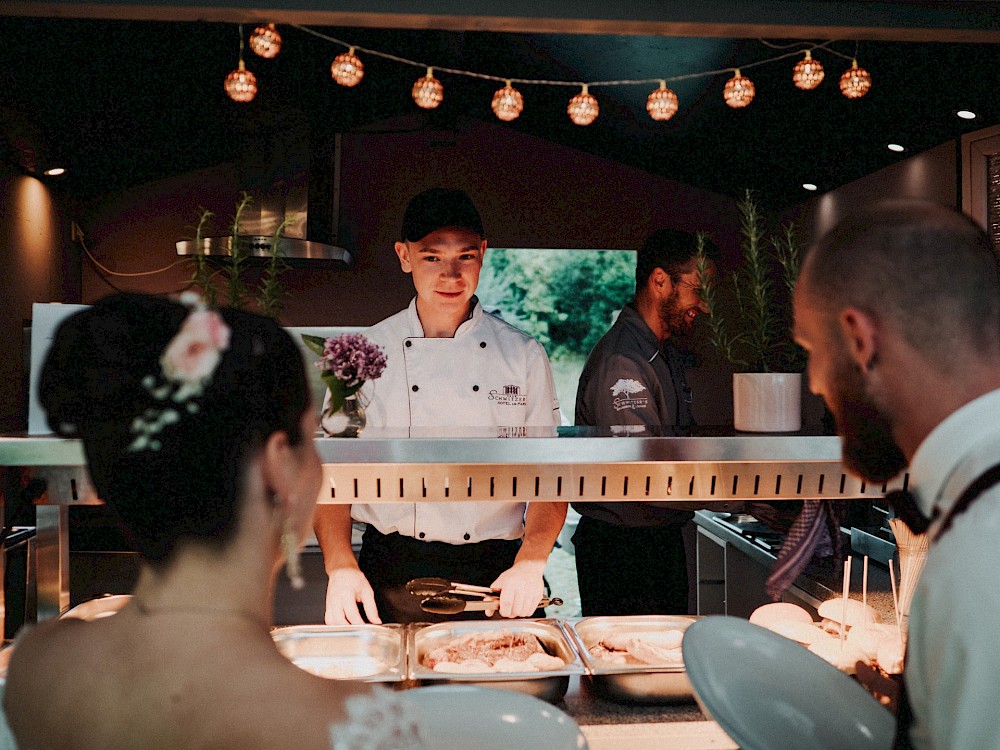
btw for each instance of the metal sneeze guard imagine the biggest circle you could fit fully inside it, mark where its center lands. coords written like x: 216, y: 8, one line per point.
x: 523, y: 465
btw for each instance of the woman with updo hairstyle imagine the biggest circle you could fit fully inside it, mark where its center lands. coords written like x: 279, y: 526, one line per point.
x: 198, y: 432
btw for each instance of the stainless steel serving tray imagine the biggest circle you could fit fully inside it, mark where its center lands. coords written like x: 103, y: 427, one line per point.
x: 549, y: 685
x: 371, y: 653
x: 95, y: 609
x: 631, y: 683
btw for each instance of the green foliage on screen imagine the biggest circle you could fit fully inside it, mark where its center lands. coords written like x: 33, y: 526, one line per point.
x: 567, y: 299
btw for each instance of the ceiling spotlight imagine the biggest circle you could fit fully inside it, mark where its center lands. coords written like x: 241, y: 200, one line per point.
x: 808, y: 186
x: 895, y: 147
x: 54, y: 172
x: 966, y: 114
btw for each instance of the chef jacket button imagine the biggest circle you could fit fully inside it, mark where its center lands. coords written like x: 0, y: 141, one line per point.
x: 467, y: 537
x: 482, y: 344
x: 421, y: 535
x: 475, y: 387
x: 409, y: 343
x: 415, y: 388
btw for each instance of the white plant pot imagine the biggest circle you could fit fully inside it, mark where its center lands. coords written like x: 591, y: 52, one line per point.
x: 767, y: 401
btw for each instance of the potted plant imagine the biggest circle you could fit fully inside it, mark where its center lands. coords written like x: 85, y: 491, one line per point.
x: 750, y: 324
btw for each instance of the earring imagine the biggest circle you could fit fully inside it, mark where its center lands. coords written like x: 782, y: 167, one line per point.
x: 290, y: 552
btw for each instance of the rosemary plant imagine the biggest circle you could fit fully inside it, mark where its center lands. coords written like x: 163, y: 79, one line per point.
x: 750, y: 318
x: 202, y: 275
x: 236, y: 288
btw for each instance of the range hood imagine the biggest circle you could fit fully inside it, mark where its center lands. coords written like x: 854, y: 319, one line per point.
x: 295, y: 180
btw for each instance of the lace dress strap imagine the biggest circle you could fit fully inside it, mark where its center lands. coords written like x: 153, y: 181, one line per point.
x: 384, y: 720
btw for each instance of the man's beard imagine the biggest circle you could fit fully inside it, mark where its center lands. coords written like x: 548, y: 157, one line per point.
x: 868, y: 446
x: 672, y: 315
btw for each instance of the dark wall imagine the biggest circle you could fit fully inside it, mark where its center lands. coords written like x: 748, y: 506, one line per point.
x: 38, y: 265
x: 530, y: 193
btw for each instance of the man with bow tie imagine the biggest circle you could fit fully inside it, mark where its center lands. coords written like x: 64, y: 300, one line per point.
x: 899, y: 310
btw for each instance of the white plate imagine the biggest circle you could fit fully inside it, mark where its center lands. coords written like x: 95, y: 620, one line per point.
x: 463, y: 716
x: 767, y: 691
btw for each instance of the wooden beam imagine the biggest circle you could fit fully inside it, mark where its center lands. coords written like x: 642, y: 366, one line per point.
x: 912, y: 21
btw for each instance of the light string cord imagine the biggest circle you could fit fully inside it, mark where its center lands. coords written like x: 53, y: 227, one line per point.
x: 578, y: 84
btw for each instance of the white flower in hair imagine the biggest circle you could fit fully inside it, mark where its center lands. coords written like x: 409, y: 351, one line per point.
x: 187, y: 364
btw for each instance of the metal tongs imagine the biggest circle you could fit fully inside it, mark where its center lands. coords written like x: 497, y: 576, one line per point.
x: 443, y: 597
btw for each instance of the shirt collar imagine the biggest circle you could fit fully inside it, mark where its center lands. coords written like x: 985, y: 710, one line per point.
x: 416, y: 330
x: 650, y: 344
x: 961, y: 447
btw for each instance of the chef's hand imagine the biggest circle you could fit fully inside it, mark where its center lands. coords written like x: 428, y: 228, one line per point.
x: 347, y: 587
x: 521, y: 588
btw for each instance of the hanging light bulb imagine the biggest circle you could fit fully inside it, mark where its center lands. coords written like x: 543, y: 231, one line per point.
x: 266, y: 41
x: 347, y: 69
x: 661, y: 103
x: 583, y: 108
x: 428, y: 91
x: 739, y: 91
x: 241, y: 84
x: 507, y: 103
x: 855, y: 82
x: 807, y: 73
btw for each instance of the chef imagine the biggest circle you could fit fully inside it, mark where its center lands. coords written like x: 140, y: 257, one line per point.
x: 448, y: 364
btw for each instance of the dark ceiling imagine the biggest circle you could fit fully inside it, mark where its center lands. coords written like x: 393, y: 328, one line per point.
x: 120, y: 103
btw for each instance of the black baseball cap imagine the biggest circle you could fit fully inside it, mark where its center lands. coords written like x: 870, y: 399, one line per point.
x: 438, y: 208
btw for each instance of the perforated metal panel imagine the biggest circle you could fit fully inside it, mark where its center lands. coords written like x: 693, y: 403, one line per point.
x: 633, y: 481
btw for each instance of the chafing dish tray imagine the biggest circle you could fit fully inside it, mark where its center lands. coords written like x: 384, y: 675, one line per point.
x: 549, y: 685
x: 95, y: 609
x: 630, y: 682
x: 372, y: 653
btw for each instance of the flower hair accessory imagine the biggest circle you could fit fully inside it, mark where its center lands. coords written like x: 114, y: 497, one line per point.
x: 186, y: 367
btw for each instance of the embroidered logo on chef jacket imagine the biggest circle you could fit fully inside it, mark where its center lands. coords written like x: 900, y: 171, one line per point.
x: 509, y: 395
x: 626, y: 395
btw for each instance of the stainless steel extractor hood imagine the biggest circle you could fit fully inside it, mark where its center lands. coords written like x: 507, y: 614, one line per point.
x: 295, y: 181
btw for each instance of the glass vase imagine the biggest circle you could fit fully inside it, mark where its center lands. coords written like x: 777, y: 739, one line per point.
x: 347, y: 421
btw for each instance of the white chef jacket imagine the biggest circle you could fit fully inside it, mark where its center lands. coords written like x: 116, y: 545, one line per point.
x: 953, y: 660
x: 490, y: 374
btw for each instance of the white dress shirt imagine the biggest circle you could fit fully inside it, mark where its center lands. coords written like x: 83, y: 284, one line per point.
x: 953, y: 655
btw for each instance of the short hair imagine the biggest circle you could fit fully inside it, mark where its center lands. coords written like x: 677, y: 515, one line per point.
x: 92, y: 387
x: 673, y: 250
x: 928, y: 268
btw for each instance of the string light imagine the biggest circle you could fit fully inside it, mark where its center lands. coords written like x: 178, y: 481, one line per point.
x: 739, y: 91
x: 661, y: 103
x: 855, y: 82
x: 241, y: 84
x: 266, y: 41
x: 347, y: 69
x: 807, y: 73
x: 583, y: 108
x: 428, y: 91
x: 507, y: 103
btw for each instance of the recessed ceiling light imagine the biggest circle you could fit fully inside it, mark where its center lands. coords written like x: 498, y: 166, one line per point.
x: 895, y: 147
x: 54, y: 171
x: 808, y: 186
x: 966, y: 114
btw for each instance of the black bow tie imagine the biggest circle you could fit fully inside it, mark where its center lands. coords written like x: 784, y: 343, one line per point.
x: 904, y: 505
